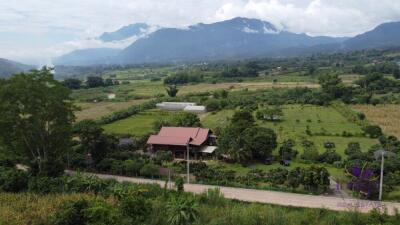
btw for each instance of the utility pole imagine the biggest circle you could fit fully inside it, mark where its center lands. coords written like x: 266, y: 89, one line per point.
x: 382, y: 153
x: 187, y: 163
x: 381, y: 178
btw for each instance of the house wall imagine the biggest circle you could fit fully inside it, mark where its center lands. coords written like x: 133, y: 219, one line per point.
x: 179, y: 152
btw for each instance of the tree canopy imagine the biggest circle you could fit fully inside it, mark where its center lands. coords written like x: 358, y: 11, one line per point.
x: 36, y: 118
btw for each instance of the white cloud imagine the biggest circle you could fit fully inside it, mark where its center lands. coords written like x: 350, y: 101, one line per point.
x: 38, y: 28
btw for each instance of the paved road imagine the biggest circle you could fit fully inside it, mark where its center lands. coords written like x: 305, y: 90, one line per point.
x: 272, y: 197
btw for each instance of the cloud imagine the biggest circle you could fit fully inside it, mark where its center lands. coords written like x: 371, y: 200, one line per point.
x: 317, y: 17
x: 45, y: 28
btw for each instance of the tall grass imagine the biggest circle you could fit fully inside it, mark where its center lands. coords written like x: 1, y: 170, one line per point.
x: 27, y: 208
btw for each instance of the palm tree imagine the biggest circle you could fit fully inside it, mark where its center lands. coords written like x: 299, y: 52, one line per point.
x: 181, y: 211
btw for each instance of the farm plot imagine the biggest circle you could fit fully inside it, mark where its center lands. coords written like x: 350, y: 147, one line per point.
x: 137, y: 125
x: 97, y: 110
x: 386, y: 116
x: 324, y: 123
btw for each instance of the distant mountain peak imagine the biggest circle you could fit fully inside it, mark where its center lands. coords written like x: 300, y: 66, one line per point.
x: 125, y: 32
x: 246, y: 25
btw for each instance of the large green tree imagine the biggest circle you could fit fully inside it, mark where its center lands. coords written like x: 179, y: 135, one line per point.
x: 36, y: 119
x: 332, y: 86
x: 260, y: 141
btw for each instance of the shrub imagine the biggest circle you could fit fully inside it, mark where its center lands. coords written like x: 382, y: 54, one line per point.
x: 136, y: 207
x: 12, y: 180
x: 310, y: 151
x: 100, y: 212
x: 373, y: 131
x: 132, y: 167
x: 45, y: 185
x: 329, y: 156
x: 277, y: 176
x: 353, y: 148
x: 179, y: 184
x: 71, y: 213
x: 212, y: 105
x: 149, y: 170
x: 105, y: 165
x: 213, y: 197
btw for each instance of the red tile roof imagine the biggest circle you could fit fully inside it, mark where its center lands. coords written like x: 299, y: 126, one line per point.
x: 179, y: 136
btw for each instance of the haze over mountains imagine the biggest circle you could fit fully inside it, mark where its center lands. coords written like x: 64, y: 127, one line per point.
x: 8, y: 67
x: 231, y: 39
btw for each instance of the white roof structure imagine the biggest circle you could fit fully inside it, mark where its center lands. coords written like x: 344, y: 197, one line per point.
x: 208, y: 149
x: 174, y: 105
x: 195, y: 109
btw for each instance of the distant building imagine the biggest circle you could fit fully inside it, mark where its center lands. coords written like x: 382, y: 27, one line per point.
x: 179, y: 106
x: 200, y: 141
x: 111, y: 96
x: 174, y: 106
x: 195, y: 109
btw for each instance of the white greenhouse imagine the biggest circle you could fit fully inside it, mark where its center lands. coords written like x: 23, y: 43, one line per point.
x: 195, y: 109
x: 174, y: 106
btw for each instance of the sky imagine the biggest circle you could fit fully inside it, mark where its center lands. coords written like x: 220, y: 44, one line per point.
x: 34, y: 31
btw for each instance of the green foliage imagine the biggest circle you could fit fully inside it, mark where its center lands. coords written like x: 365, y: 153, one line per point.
x: 287, y: 151
x: 315, y: 179
x: 93, y: 140
x: 270, y: 113
x: 373, y: 131
x: 72, y: 83
x: 36, y: 117
x: 244, y: 71
x: 332, y: 86
x: 179, y: 184
x: 12, y: 180
x: 212, y: 105
x: 182, y: 211
x: 310, y: 151
x: 181, y: 119
x: 260, y: 141
x: 243, y: 141
x: 163, y: 157
x: 149, y: 170
x: 329, y: 156
x: 183, y: 77
x: 94, y: 81
x: 136, y: 207
x: 213, y: 197
x: 353, y: 148
x: 84, y: 212
x: 172, y: 90
x: 243, y: 119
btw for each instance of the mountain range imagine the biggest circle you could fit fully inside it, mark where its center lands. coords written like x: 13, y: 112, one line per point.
x: 230, y: 39
x: 8, y: 67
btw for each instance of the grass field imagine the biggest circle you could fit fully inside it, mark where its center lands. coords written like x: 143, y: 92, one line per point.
x: 137, y: 125
x: 25, y: 208
x: 100, y: 109
x: 386, y: 116
x: 294, y: 124
x: 296, y: 119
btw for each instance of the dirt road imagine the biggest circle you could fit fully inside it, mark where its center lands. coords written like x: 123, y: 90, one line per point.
x: 273, y: 197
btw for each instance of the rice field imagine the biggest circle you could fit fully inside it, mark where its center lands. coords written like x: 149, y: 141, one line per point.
x: 386, y: 116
